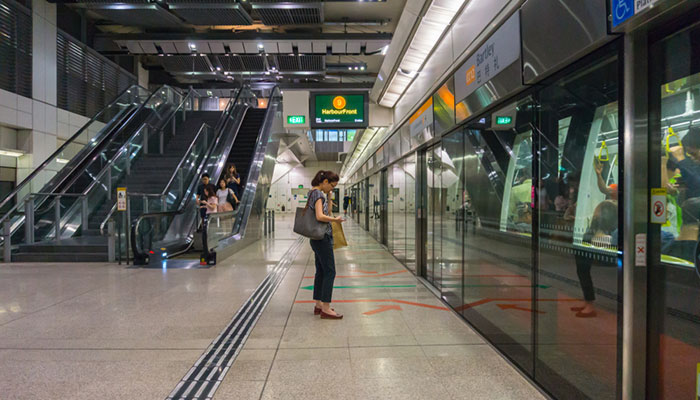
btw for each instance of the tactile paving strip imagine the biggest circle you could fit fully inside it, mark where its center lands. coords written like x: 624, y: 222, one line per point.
x: 202, y: 380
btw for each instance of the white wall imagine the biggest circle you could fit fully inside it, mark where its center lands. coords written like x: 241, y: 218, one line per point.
x: 281, y: 189
x: 36, y: 126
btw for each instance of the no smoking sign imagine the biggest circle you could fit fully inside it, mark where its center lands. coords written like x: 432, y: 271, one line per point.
x: 658, y: 206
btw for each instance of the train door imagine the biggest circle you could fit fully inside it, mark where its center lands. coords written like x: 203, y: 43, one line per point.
x: 674, y: 277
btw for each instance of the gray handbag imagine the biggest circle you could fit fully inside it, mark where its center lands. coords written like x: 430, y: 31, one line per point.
x: 306, y: 224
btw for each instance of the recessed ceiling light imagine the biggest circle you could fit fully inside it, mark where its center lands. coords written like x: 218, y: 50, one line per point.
x: 356, y: 68
x: 193, y: 46
x: 218, y: 68
x: 260, y: 46
x: 349, y: 68
x: 362, y: 68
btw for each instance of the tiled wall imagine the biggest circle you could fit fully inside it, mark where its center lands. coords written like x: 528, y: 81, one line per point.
x: 36, y: 126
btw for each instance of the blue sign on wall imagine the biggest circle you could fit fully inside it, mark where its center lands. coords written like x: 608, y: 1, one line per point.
x: 622, y: 10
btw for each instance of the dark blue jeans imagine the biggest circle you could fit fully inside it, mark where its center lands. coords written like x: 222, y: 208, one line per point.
x: 325, y: 268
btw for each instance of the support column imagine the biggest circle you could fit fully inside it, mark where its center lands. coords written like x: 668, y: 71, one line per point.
x: 635, y: 217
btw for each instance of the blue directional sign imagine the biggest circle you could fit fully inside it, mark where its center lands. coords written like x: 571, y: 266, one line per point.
x: 622, y: 10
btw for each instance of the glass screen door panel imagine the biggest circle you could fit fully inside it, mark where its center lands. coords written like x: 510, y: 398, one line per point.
x: 497, y: 271
x: 674, y: 280
x: 433, y: 212
x: 408, y: 165
x: 577, y: 293
x: 453, y: 217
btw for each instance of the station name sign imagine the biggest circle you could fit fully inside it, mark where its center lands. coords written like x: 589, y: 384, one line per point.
x: 500, y: 51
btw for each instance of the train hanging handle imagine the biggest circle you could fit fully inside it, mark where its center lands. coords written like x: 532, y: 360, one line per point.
x: 668, y: 140
x: 604, y: 146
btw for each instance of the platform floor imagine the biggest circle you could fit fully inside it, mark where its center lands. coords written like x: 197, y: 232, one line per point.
x: 86, y: 331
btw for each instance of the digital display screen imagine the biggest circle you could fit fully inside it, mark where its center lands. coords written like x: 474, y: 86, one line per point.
x: 339, y: 110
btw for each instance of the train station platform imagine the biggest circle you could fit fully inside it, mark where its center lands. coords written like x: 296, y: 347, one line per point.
x: 243, y: 329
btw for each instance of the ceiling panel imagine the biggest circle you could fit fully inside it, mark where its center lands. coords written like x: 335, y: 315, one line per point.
x: 148, y: 47
x: 168, y: 47
x: 289, y: 13
x: 354, y: 47
x: 285, y: 47
x: 305, y: 47
x: 210, y: 13
x: 236, y: 47
x: 134, y: 47
x: 217, y: 47
x: 319, y: 47
x: 148, y: 15
x: 251, y: 47
x: 338, y: 47
x: 185, y: 63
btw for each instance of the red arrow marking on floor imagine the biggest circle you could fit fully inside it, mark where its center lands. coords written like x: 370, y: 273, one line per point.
x: 382, y: 309
x: 515, y: 307
x: 365, y: 276
x: 484, y: 301
x: 379, y: 301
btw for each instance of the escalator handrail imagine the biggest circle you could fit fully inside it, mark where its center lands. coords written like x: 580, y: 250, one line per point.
x: 103, y: 140
x: 167, y: 187
x: 261, y: 140
x: 58, y: 152
x: 185, y: 199
x: 124, y: 146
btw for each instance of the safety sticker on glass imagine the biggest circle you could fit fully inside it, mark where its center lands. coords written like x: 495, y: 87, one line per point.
x: 658, y: 206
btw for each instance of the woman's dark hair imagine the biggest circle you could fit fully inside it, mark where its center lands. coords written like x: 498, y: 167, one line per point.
x: 323, y: 175
x: 222, y: 180
x: 606, y: 220
x: 232, y: 166
x: 692, y: 138
x: 691, y: 210
x: 209, y: 191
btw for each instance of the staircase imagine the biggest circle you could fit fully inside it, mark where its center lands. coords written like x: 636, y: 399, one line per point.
x: 149, y: 174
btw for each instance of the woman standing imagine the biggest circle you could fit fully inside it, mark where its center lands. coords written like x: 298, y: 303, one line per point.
x: 233, y: 179
x: 324, y: 181
x: 222, y: 193
x: 209, y: 202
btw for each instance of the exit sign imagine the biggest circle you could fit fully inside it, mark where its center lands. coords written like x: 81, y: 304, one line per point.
x: 504, y: 120
x: 296, y: 119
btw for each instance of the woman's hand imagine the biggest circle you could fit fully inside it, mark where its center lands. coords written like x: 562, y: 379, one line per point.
x: 339, y: 219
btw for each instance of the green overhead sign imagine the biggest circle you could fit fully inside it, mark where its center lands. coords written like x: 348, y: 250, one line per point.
x: 504, y: 120
x: 339, y: 110
x: 296, y: 119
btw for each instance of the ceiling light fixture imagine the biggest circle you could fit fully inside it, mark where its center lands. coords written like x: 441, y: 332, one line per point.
x: 193, y: 46
x: 62, y: 161
x: 260, y: 46
x: 432, y: 25
x: 11, y: 153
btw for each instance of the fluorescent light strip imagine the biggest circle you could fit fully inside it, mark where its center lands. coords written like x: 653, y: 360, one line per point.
x: 431, y: 27
x: 11, y: 153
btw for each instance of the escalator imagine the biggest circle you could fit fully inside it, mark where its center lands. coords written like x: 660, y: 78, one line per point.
x: 174, y: 236
x: 56, y: 222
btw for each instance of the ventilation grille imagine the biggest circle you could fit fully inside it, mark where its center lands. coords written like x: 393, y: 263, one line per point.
x: 185, y: 64
x: 212, y: 14
x: 300, y: 14
x: 15, y: 49
x: 147, y: 15
x: 300, y: 63
x: 86, y: 81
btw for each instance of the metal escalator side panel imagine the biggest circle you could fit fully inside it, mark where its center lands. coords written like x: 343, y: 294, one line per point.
x: 248, y: 224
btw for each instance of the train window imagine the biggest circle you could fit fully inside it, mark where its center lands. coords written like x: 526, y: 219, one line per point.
x: 680, y: 169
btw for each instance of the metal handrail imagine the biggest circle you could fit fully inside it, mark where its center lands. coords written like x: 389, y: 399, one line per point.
x: 164, y: 191
x: 183, y: 206
x: 225, y: 115
x: 61, y: 149
x: 266, y: 125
